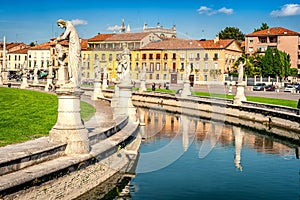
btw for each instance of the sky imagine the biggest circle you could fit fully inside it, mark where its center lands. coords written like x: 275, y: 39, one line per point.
x: 35, y: 21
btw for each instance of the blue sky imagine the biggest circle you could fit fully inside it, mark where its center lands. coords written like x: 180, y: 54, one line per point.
x: 35, y: 21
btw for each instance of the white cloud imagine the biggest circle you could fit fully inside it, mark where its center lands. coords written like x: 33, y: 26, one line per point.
x: 210, y: 11
x: 227, y: 11
x: 287, y: 10
x: 76, y: 22
x: 114, y: 28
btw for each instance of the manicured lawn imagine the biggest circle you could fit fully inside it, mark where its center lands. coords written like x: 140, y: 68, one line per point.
x: 26, y: 114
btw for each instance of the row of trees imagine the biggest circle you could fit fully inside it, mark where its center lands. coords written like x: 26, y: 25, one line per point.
x: 273, y: 63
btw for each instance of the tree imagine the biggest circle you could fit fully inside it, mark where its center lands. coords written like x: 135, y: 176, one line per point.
x: 264, y: 26
x: 231, y: 33
x: 32, y: 44
x: 268, y: 63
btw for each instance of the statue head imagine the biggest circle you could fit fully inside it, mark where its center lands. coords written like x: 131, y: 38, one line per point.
x: 61, y: 23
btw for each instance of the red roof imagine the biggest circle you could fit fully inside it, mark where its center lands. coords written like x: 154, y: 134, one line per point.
x: 128, y: 36
x: 20, y: 51
x: 84, y: 44
x: 176, y: 44
x: 273, y: 31
x: 219, y: 44
x: 100, y: 37
x: 43, y: 46
x: 172, y: 43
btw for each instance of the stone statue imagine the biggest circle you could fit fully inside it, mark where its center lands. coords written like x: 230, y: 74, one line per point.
x: 97, y: 69
x: 188, y: 72
x: 123, y: 66
x: 241, y: 72
x: 71, y: 35
x: 143, y: 75
x: 60, y: 54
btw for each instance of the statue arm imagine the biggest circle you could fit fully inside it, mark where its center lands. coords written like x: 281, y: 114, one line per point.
x: 65, y: 34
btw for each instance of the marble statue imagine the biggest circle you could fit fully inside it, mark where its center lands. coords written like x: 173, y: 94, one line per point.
x: 123, y: 67
x: 143, y: 74
x: 188, y: 72
x: 97, y: 69
x: 60, y: 54
x: 71, y: 35
x: 241, y: 72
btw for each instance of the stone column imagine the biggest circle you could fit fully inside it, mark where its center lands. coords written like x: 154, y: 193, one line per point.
x: 125, y: 106
x: 143, y: 86
x: 115, y: 98
x: 186, y: 91
x: 104, y: 81
x: 240, y: 94
x: 49, y: 83
x: 97, y: 90
x: 24, y: 83
x: 69, y: 127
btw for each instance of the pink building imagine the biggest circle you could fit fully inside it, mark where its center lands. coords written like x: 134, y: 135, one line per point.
x: 278, y: 37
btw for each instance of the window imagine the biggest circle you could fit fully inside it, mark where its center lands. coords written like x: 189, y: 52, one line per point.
x: 157, y: 66
x: 174, y: 56
x: 263, y: 40
x: 144, y: 56
x: 250, y: 40
x: 165, y: 66
x: 165, y: 56
x: 215, y: 66
x: 157, y: 76
x: 216, y: 55
x: 165, y: 76
x: 151, y: 67
x: 158, y: 56
x: 182, y: 66
x: 198, y: 56
x: 150, y: 76
x: 110, y: 57
x: 151, y: 56
x: 103, y: 56
x: 205, y: 77
x: 205, y: 56
x: 206, y: 65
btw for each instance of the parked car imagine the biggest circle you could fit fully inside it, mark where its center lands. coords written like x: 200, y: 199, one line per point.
x: 289, y: 88
x: 270, y: 88
x: 259, y: 86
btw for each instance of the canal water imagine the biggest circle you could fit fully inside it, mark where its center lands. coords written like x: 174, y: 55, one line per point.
x: 187, y: 158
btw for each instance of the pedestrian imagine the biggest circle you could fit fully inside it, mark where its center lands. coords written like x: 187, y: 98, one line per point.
x: 153, y: 86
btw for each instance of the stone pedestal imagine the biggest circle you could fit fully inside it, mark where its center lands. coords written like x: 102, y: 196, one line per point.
x: 240, y: 94
x: 49, y: 83
x: 104, y: 83
x: 24, y: 83
x: 186, y: 91
x: 35, y: 79
x: 143, y: 86
x: 1, y: 79
x: 4, y: 77
x: 115, y: 97
x: 69, y: 126
x: 97, y: 91
x: 125, y: 106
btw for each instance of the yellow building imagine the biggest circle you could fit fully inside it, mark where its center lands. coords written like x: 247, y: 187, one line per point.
x: 107, y: 48
x: 167, y: 60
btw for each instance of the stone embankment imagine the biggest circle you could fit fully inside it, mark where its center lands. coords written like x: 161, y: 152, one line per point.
x: 39, y: 169
x: 280, y: 121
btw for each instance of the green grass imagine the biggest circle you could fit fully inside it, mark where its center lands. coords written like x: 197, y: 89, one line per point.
x: 26, y: 114
x: 281, y: 102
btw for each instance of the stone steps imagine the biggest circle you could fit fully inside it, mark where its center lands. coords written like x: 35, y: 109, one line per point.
x: 18, y: 156
x: 42, y: 172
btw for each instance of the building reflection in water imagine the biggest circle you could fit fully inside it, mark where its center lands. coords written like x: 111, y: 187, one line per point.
x: 206, y: 134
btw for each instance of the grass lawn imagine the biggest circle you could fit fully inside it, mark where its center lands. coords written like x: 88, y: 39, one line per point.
x: 26, y: 114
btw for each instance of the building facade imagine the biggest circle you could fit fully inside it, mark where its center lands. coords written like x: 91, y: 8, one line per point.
x: 279, y: 38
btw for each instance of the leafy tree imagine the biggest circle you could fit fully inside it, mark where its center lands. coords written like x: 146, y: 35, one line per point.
x: 32, y: 44
x: 264, y: 26
x: 268, y: 63
x: 231, y: 33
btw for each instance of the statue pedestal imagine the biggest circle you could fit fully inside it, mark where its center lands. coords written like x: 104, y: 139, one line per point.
x: 143, y: 86
x: 97, y: 91
x: 124, y: 106
x: 24, y: 83
x: 35, y: 80
x: 49, y: 82
x: 240, y: 94
x: 69, y: 126
x: 115, y: 97
x: 186, y: 89
x: 1, y: 79
x: 104, y: 84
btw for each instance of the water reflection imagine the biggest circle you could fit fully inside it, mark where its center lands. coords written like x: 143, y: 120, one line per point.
x: 183, y: 157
